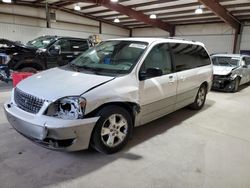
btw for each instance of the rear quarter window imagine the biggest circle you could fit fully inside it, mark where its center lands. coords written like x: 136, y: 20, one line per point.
x: 189, y: 56
x: 79, y: 45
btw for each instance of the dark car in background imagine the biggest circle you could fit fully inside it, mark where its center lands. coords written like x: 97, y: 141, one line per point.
x: 43, y: 52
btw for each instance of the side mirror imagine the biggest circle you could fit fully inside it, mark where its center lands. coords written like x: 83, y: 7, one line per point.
x: 150, y: 73
x: 55, y: 50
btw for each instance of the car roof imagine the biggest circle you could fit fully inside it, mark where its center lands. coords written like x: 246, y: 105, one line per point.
x: 151, y: 40
x: 60, y: 37
x: 230, y: 55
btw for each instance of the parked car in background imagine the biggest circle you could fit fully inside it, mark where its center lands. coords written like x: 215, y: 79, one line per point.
x: 230, y: 71
x: 43, y: 52
x: 109, y: 90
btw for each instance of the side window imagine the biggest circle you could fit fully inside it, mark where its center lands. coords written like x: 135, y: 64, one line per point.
x: 79, y: 45
x: 64, y: 44
x: 189, y: 56
x: 247, y: 61
x: 158, y: 57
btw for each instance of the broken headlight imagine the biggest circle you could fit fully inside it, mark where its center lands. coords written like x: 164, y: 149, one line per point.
x: 67, y: 108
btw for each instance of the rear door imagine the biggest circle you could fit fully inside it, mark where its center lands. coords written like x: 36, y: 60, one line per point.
x: 157, y: 95
x: 189, y: 60
x: 55, y: 60
x: 77, y: 47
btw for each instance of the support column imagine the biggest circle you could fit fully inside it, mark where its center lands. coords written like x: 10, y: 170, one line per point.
x: 236, y: 37
x: 47, y: 15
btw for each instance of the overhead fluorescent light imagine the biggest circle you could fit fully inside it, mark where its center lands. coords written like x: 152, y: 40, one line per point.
x: 114, y: 1
x: 152, y: 16
x: 199, y: 10
x: 116, y: 20
x: 77, y: 8
x: 6, y: 1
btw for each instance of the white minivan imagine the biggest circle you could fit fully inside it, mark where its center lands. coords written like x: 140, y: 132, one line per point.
x: 99, y: 97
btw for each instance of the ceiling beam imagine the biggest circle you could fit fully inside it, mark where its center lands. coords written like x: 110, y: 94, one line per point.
x: 41, y: 5
x: 38, y: 1
x: 221, y: 12
x: 138, y: 15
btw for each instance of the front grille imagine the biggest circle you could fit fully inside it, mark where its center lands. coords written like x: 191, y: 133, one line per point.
x: 27, y: 102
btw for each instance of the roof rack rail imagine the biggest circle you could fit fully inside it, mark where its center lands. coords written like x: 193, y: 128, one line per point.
x: 179, y: 38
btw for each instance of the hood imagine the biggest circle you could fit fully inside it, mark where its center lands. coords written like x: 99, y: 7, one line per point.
x: 222, y: 70
x: 10, y: 47
x: 57, y: 83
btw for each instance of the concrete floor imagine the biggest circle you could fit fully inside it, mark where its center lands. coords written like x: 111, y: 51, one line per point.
x: 208, y: 149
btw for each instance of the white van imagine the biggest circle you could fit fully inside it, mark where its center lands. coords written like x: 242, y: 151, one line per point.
x: 103, y: 94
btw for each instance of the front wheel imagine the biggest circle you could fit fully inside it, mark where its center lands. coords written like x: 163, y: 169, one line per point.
x: 112, y: 130
x: 28, y: 69
x: 200, y: 98
x: 236, y: 85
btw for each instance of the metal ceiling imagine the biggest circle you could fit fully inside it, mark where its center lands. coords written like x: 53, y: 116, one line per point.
x: 135, y: 13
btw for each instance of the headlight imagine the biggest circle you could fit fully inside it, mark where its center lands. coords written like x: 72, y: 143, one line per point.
x: 67, y: 108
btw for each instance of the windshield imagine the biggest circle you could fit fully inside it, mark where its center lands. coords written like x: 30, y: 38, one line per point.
x: 41, y: 42
x: 226, y: 61
x: 111, y: 57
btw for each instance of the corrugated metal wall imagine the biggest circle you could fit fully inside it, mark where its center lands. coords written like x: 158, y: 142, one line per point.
x: 30, y: 23
x: 218, y: 38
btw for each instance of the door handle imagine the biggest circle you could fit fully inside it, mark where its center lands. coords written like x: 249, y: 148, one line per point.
x: 171, y: 79
x: 69, y: 56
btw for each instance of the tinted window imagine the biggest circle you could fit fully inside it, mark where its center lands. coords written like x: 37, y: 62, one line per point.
x: 247, y: 60
x: 64, y: 44
x: 188, y: 56
x: 158, y: 57
x: 79, y: 45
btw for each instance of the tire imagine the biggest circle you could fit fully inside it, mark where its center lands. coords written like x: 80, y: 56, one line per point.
x: 200, y: 98
x: 28, y: 69
x: 112, y: 130
x: 236, y: 85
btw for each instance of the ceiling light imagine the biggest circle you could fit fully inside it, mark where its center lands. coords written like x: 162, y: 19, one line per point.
x: 199, y: 10
x: 116, y: 20
x: 6, y: 1
x: 114, y: 1
x: 152, y: 16
x: 77, y: 8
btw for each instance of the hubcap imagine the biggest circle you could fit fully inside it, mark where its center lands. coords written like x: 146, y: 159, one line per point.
x: 201, y: 96
x: 114, y: 130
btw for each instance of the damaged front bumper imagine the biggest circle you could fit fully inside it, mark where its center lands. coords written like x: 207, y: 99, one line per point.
x: 224, y: 83
x: 51, y: 132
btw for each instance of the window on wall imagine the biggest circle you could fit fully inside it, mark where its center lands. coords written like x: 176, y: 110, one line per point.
x: 158, y: 57
x: 189, y: 56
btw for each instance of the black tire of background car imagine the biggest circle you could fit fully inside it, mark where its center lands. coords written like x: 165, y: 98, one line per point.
x: 96, y: 140
x: 28, y: 69
x: 195, y: 105
x: 236, y: 84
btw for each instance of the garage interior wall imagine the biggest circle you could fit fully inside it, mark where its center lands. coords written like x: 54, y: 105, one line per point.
x: 217, y: 37
x: 20, y: 23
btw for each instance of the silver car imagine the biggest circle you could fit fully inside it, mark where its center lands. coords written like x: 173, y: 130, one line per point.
x: 230, y: 71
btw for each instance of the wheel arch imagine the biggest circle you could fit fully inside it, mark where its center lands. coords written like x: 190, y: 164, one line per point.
x: 206, y: 85
x: 131, y: 107
x: 33, y: 65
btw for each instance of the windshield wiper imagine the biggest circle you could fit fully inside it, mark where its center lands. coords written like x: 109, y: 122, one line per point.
x: 92, y: 69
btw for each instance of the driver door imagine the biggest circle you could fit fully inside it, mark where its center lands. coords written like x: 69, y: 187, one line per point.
x: 61, y: 58
x: 157, y: 95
